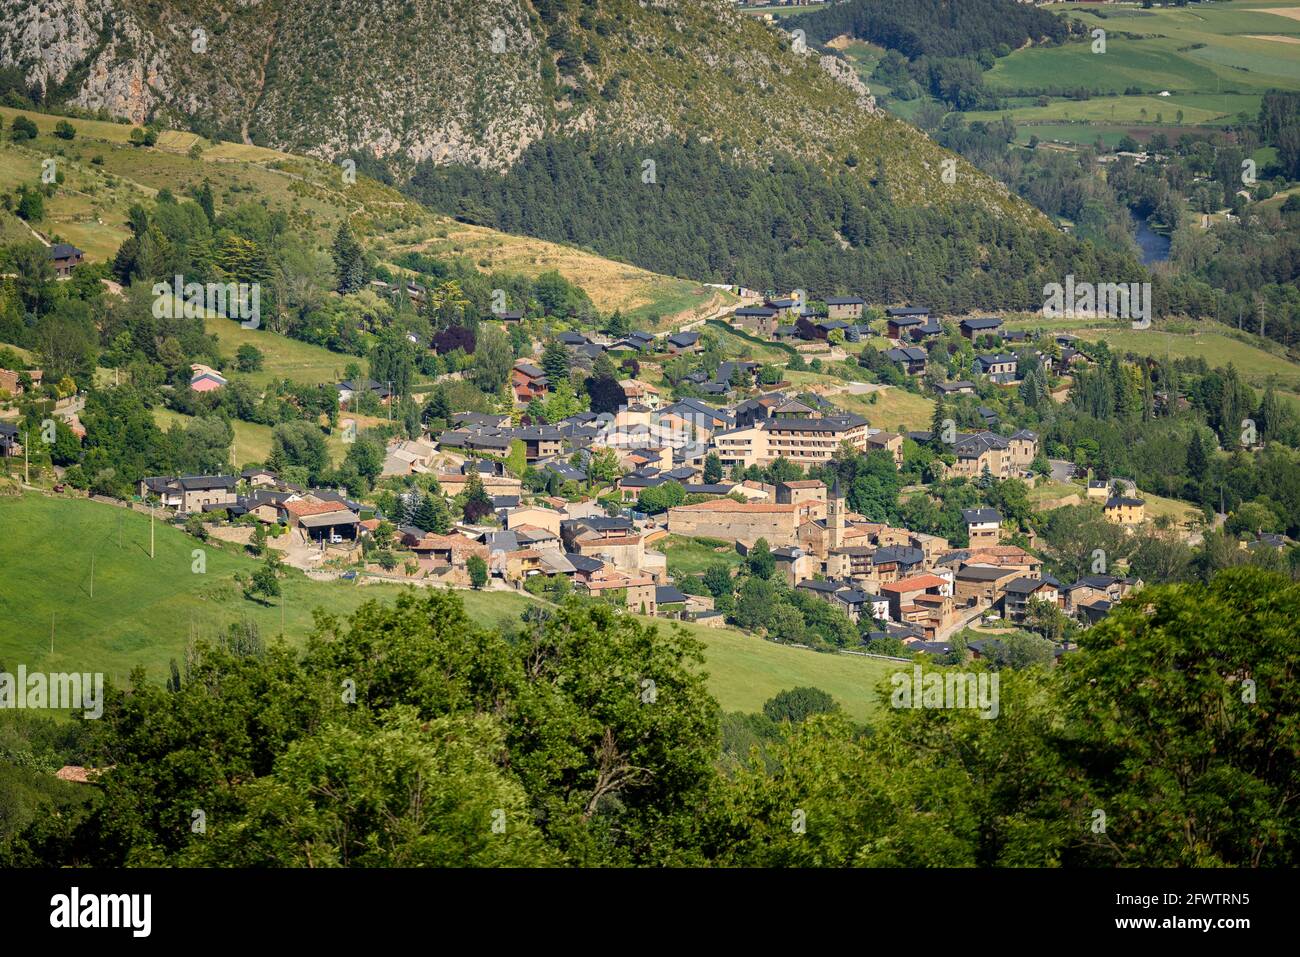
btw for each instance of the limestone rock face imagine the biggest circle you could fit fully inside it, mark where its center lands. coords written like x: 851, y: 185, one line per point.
x: 470, y: 81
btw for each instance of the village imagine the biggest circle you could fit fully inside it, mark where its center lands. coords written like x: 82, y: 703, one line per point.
x: 608, y: 493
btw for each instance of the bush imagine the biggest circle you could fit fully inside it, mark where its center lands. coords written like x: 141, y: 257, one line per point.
x: 23, y: 129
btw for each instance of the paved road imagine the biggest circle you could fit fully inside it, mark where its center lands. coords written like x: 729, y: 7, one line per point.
x: 1062, y: 471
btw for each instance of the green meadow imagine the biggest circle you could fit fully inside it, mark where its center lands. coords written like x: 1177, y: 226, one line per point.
x: 143, y: 611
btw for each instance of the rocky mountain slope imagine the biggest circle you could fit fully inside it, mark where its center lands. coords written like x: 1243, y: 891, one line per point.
x: 474, y: 82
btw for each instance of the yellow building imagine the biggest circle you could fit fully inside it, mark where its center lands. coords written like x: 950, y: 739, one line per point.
x: 1125, y: 511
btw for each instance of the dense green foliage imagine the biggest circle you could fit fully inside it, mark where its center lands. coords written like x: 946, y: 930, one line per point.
x: 780, y: 227
x: 407, y: 736
x: 943, y: 28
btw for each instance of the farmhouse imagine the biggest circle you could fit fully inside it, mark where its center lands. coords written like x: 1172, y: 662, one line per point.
x: 189, y: 493
x: 898, y: 320
x: 1019, y: 592
x: 65, y: 258
x: 12, y: 382
x: 1123, y: 510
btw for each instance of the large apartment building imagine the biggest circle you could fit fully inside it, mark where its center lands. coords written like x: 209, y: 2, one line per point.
x: 1001, y: 456
x: 803, y: 440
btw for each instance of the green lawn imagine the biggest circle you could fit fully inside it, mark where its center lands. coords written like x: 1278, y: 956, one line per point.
x: 252, y: 441
x: 143, y: 610
x: 691, y: 556
x: 745, y: 671
x: 285, y: 358
x: 742, y: 344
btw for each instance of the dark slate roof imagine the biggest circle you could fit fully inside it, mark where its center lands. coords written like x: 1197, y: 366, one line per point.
x: 193, y: 483
x: 972, y: 516
x: 684, y: 339
x: 64, y: 251
x: 1024, y: 586
x: 904, y: 554
x: 988, y: 322
x: 845, y: 301
x: 567, y: 472
x: 978, y: 442
x: 584, y: 563
x: 813, y: 584
x: 831, y: 423
x: 906, y: 354
x: 982, y: 573
x: 703, y: 489
x: 907, y: 311
x: 930, y: 647
x: 1117, y: 500
x: 669, y: 595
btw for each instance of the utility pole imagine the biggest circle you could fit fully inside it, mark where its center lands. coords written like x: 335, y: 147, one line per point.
x: 151, y: 531
x: 390, y: 401
x: 27, y: 440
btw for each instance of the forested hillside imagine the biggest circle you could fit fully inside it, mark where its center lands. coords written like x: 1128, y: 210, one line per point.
x: 787, y: 226
x: 681, y: 136
x: 937, y: 28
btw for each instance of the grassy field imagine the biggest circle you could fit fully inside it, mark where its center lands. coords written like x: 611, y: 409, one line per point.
x: 284, y: 358
x: 252, y: 441
x: 690, y: 556
x: 641, y: 294
x: 143, y: 610
x: 741, y: 344
x: 745, y: 671
x: 105, y: 174
x: 1201, y: 48
x: 1211, y: 62
x: 894, y: 407
x: 1218, y: 345
x: 1050, y: 495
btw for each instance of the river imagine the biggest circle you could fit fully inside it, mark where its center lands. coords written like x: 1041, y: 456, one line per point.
x: 1154, y: 246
